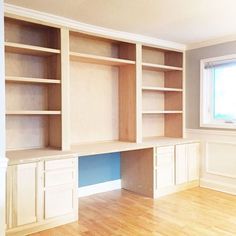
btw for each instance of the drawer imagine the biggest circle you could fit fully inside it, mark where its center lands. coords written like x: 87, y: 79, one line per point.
x: 167, y: 149
x: 61, y: 177
x: 60, y: 164
x: 59, y: 201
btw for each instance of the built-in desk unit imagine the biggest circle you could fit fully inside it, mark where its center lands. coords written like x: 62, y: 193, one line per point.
x: 71, y: 94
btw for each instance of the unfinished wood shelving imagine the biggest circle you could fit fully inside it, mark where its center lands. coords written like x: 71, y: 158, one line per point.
x: 103, y: 73
x: 33, y: 85
x: 162, y: 93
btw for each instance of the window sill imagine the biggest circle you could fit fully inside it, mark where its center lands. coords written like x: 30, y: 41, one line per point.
x: 219, y: 126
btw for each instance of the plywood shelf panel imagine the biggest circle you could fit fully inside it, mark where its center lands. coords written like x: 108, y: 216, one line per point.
x: 161, y: 89
x: 32, y: 112
x: 87, y: 58
x: 29, y: 50
x: 159, y: 67
x: 161, y: 112
x: 31, y: 80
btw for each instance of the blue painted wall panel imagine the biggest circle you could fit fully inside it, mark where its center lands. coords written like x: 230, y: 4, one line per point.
x: 99, y: 168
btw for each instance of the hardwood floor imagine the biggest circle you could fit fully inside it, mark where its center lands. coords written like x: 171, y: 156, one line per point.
x: 195, y: 212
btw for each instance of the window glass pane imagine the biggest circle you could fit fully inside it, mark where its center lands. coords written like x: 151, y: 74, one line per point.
x: 225, y: 92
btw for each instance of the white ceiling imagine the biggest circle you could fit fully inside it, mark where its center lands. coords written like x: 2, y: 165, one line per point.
x: 182, y: 21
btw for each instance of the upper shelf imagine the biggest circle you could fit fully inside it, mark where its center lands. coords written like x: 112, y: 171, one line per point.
x: 158, y: 67
x: 82, y: 57
x: 161, y: 89
x: 17, y: 79
x: 29, y: 49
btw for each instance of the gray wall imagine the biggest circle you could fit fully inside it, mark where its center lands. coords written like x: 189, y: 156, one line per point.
x: 193, y: 58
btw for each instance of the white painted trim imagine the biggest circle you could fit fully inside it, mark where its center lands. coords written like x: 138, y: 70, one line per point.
x: 219, y: 186
x: 12, y: 10
x: 99, y: 188
x: 208, y: 171
x: 211, y: 42
x: 211, y: 132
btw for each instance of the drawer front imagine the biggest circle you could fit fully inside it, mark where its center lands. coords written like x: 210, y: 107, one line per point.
x: 58, y: 202
x: 54, y: 178
x: 165, y: 156
x: 167, y: 149
x: 60, y: 164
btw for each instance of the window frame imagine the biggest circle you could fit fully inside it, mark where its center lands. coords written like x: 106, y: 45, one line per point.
x: 206, y: 96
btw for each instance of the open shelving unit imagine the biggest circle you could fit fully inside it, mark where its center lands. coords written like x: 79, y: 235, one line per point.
x: 162, y: 93
x: 103, y: 72
x: 33, y: 85
x: 68, y: 88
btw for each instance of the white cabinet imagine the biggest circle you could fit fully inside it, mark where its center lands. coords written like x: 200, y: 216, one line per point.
x: 40, y: 193
x: 23, y: 186
x: 187, y: 162
x: 164, y: 167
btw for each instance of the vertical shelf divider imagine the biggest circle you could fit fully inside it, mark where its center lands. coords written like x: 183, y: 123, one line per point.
x: 65, y: 89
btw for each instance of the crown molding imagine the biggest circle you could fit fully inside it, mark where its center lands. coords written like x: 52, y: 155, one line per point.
x: 211, y: 42
x: 25, y: 13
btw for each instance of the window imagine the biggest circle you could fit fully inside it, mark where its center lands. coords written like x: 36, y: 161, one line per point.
x: 218, y: 92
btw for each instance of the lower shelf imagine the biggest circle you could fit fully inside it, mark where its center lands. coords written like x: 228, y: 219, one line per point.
x: 32, y: 112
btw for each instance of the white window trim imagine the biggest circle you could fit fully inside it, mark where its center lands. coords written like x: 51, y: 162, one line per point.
x: 205, y: 120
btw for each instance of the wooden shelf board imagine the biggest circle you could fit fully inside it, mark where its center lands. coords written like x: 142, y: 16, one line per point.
x: 99, y: 59
x: 32, y: 112
x: 31, y: 80
x: 29, y: 50
x: 161, y: 89
x: 158, y: 67
x: 162, y: 112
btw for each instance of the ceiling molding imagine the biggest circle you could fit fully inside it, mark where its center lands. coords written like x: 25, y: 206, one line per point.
x: 211, y: 42
x: 25, y: 13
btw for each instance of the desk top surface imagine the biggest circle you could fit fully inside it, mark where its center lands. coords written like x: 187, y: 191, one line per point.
x: 33, y: 155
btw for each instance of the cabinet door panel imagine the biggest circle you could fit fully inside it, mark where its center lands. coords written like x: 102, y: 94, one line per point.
x: 59, y: 201
x: 165, y: 176
x: 24, y: 193
x: 181, y: 164
x: 193, y: 150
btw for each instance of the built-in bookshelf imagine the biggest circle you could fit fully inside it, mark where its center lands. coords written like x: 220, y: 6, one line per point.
x: 33, y: 85
x: 162, y: 93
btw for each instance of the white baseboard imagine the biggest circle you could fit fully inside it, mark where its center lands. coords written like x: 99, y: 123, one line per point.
x: 99, y: 188
x: 219, y: 186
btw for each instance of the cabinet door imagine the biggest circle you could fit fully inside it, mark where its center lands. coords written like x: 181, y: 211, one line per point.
x: 25, y: 194
x: 165, y: 167
x: 181, y: 164
x: 193, y: 151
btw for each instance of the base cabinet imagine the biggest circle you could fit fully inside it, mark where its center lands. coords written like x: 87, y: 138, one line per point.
x: 166, y: 169
x: 41, y: 195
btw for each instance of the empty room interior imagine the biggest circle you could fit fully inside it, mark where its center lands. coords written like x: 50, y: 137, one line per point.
x: 118, y: 117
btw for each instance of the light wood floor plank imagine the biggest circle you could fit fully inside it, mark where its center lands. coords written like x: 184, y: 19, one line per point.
x: 195, y: 212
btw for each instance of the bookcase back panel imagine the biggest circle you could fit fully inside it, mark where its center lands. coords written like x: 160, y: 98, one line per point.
x: 91, y: 45
x: 94, y: 102
x: 24, y: 65
x: 24, y: 132
x: 26, y: 97
x: 153, y: 100
x: 153, y: 78
x: 153, y: 125
x: 31, y: 66
x: 152, y: 55
x: 17, y: 31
